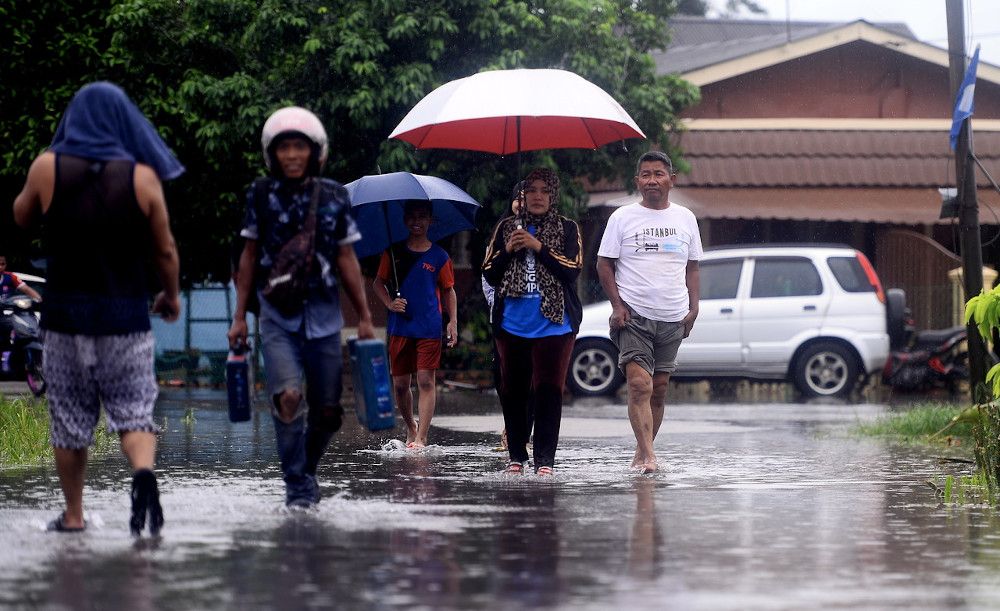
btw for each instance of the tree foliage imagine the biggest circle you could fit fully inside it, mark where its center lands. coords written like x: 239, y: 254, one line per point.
x: 208, y: 72
x: 50, y: 49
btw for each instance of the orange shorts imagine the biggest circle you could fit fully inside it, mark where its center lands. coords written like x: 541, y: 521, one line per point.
x: 408, y: 354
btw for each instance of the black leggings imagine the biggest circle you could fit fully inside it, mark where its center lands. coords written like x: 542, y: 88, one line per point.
x: 533, y: 368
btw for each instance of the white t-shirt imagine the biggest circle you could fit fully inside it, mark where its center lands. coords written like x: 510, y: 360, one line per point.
x: 652, y: 248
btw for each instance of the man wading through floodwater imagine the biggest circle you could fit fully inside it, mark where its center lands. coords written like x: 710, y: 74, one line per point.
x: 304, y: 341
x: 98, y: 194
x: 648, y: 266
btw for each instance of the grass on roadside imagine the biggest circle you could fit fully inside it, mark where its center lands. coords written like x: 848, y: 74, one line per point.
x: 24, y: 433
x: 936, y: 424
x: 961, y: 490
x: 924, y: 422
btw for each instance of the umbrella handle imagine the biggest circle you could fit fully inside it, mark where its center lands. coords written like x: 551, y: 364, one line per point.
x: 395, y: 282
x: 392, y: 257
x: 404, y: 314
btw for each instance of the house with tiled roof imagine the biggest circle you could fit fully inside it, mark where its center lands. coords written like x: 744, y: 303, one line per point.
x: 828, y: 132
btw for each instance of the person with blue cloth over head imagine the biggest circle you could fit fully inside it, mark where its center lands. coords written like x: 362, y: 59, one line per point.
x: 301, y: 342
x: 97, y: 192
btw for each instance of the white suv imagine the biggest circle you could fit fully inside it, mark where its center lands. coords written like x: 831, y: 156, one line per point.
x: 812, y: 315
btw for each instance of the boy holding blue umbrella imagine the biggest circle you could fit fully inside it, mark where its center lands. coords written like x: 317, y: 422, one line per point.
x: 425, y: 279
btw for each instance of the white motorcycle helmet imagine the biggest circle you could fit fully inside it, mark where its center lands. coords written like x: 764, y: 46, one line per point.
x: 289, y: 121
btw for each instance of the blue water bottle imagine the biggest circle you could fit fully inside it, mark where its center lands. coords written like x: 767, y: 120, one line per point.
x: 383, y: 389
x: 238, y: 383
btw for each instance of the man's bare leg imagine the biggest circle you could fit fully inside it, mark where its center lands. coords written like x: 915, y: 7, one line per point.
x: 288, y: 405
x: 404, y: 400
x: 426, y: 402
x: 657, y: 403
x: 640, y: 415
x: 140, y: 448
x: 71, y: 466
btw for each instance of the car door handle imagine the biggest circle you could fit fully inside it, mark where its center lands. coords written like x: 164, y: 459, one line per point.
x: 809, y: 308
x: 726, y: 311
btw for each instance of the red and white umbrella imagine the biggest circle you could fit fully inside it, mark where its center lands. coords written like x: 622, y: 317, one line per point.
x: 509, y: 111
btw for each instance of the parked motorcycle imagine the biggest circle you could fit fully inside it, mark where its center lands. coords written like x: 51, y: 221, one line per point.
x: 936, y: 358
x: 20, y: 346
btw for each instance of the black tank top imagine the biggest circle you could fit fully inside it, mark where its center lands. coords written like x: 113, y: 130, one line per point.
x: 98, y: 245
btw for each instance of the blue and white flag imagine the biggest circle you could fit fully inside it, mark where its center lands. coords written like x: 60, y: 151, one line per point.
x: 966, y: 102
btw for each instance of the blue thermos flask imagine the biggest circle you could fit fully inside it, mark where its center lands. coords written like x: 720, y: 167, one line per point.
x: 238, y: 383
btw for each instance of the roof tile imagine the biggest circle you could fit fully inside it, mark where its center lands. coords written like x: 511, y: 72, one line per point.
x: 805, y: 158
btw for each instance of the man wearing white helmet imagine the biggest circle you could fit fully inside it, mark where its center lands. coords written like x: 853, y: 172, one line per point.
x: 306, y: 341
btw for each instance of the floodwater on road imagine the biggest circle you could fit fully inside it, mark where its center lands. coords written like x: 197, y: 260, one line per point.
x: 766, y: 506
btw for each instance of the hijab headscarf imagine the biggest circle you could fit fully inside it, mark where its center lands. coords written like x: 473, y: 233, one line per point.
x: 103, y: 124
x: 548, y: 231
x: 515, y: 193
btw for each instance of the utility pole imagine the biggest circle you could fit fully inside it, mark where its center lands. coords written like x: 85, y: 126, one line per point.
x: 967, y: 198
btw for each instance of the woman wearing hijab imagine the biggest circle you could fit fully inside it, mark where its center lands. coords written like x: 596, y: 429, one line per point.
x: 533, y: 261
x: 98, y: 194
x: 516, y: 201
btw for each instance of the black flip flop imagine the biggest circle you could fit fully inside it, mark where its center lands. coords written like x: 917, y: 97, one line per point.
x: 145, y: 499
x: 58, y: 525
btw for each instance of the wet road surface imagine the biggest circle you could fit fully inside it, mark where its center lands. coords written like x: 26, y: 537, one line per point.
x: 768, y: 506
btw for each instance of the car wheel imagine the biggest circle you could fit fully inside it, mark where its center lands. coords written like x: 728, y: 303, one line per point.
x: 593, y: 368
x: 826, y: 369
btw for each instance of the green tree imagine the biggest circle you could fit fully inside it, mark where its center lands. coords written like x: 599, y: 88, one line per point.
x: 50, y: 50
x: 208, y: 72
x: 726, y: 8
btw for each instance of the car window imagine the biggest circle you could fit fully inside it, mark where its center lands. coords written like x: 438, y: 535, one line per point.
x: 719, y: 279
x: 785, y: 277
x: 850, y: 274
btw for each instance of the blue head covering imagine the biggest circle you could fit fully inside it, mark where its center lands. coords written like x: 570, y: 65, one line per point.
x: 101, y: 123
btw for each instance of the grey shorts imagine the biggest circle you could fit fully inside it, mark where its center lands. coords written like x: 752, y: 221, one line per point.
x: 84, y: 372
x: 651, y: 343
x: 290, y: 357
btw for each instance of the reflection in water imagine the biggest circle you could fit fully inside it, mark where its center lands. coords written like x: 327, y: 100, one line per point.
x: 420, y: 566
x: 645, y: 540
x: 412, y: 482
x: 300, y: 568
x: 69, y: 589
x: 86, y: 579
x: 528, y: 546
x: 758, y: 507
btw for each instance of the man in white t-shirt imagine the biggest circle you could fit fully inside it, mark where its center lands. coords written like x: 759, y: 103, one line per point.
x: 648, y: 266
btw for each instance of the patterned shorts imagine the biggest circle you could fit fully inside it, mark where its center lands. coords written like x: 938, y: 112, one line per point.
x: 85, y: 372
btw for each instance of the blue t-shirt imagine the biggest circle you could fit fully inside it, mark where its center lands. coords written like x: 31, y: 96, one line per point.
x: 423, y: 275
x: 522, y: 316
x: 8, y: 284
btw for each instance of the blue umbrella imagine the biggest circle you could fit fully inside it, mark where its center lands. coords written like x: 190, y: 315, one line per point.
x: 378, y: 201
